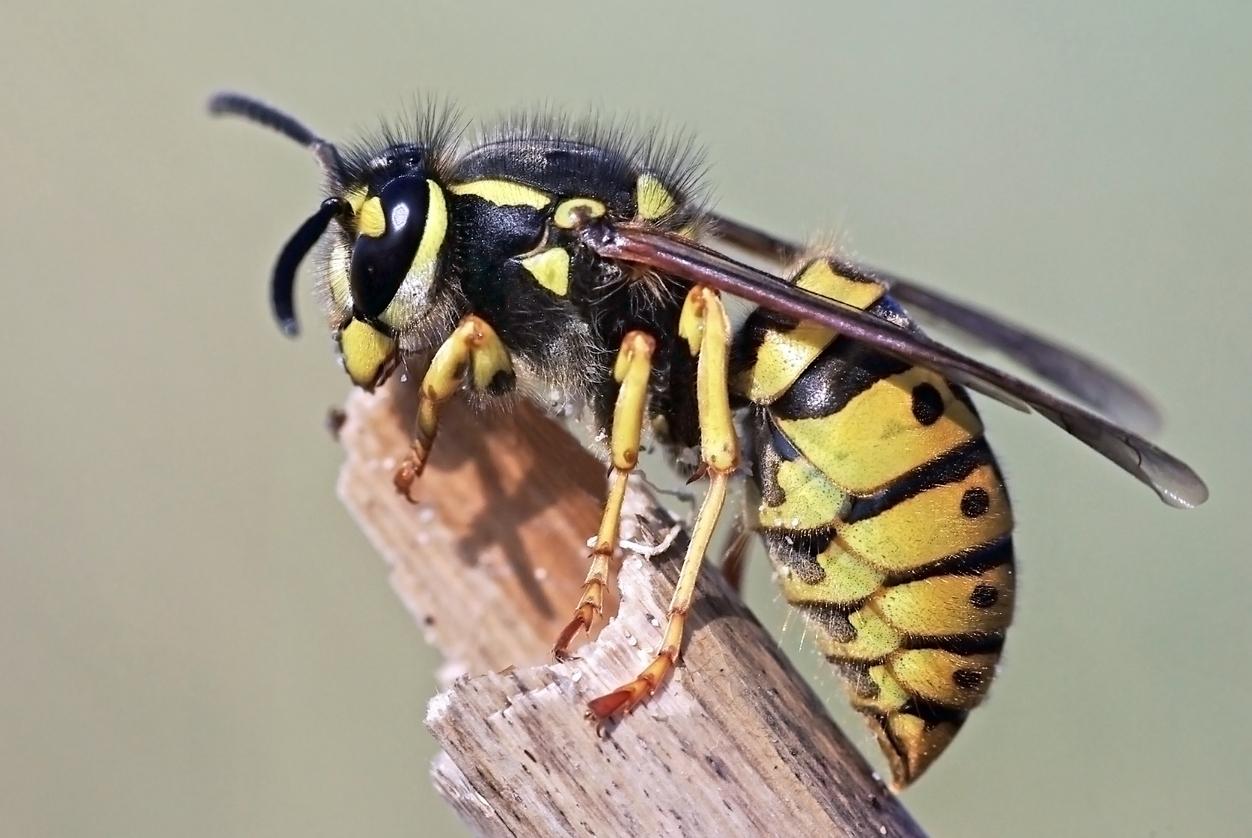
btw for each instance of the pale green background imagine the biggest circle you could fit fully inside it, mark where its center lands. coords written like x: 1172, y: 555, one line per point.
x: 195, y: 640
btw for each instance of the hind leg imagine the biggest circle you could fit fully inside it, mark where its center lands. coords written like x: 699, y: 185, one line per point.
x: 707, y: 330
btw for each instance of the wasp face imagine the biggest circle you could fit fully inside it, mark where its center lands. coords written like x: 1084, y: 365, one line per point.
x: 390, y: 254
x: 381, y: 275
x: 389, y: 230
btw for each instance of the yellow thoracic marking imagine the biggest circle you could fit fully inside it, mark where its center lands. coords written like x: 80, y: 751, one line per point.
x: 876, y: 438
x: 784, y: 355
x: 412, y: 296
x: 848, y: 580
x: 366, y: 352
x: 568, y: 214
x: 370, y: 219
x: 652, y: 198
x: 550, y: 269
x: 931, y: 526
x: 503, y: 193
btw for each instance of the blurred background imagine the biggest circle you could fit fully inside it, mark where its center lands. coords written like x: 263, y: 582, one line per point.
x: 194, y: 638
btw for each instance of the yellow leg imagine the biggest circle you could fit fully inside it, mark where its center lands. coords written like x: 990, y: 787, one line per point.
x: 707, y: 330
x: 472, y: 354
x: 632, y: 371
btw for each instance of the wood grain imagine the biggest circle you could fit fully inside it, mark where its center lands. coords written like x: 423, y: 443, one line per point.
x: 490, y: 564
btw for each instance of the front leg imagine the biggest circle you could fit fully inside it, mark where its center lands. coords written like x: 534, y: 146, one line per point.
x: 632, y: 371
x: 472, y: 354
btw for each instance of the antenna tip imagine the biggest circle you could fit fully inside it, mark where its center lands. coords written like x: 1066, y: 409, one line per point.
x: 221, y: 102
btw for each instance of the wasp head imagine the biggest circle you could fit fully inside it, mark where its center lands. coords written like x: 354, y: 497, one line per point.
x: 382, y: 272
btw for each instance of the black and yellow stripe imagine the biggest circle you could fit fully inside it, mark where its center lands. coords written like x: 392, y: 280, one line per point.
x: 886, y: 516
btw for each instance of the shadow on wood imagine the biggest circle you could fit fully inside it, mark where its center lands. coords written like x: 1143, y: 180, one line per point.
x: 490, y: 564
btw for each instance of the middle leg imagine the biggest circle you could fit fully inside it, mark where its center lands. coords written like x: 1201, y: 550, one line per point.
x: 706, y: 329
x: 632, y: 371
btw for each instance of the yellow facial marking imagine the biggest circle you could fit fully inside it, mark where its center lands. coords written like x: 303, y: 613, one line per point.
x: 355, y: 198
x: 569, y: 214
x: 877, y: 436
x: 652, y: 198
x: 337, y: 282
x: 435, y: 230
x: 370, y: 220
x: 503, y: 193
x: 367, y: 353
x: 411, y: 298
x: 784, y: 355
x: 550, y: 269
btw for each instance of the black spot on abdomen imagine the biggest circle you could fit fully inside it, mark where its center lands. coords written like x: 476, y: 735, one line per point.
x: 975, y: 502
x: 927, y: 404
x: 983, y: 596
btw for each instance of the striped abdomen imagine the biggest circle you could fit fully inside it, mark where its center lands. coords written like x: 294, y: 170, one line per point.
x: 885, y: 516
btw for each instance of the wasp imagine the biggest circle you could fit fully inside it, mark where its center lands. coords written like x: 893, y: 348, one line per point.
x: 550, y: 256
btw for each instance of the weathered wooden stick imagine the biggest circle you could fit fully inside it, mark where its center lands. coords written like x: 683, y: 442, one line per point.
x: 490, y: 565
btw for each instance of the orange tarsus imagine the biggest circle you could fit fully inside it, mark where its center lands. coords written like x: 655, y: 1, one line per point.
x: 583, y: 618
x: 589, y: 605
x: 627, y: 697
x: 409, y: 471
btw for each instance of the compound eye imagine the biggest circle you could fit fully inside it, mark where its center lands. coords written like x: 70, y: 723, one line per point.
x: 391, y: 226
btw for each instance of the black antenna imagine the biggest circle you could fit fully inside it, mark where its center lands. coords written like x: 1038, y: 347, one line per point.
x: 283, y: 281
x: 254, y: 110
